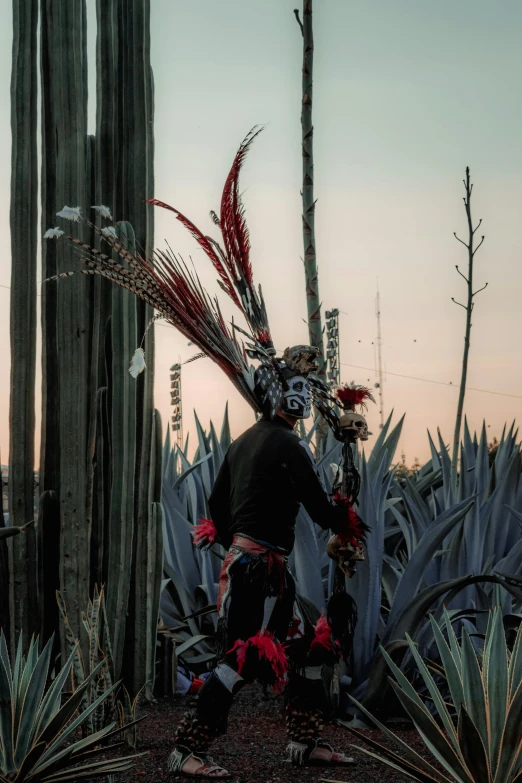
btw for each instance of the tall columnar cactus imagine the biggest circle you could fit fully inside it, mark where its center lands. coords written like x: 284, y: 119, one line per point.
x: 23, y: 223
x: 123, y: 418
x: 67, y: 318
x: 100, y: 463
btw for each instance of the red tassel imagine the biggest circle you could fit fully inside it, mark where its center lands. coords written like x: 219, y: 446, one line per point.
x: 354, y: 530
x: 267, y: 649
x: 205, y: 533
x: 323, y: 635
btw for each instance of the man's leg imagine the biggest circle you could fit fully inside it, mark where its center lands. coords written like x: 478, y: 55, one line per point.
x: 244, y: 613
x: 199, y: 727
x: 307, y: 703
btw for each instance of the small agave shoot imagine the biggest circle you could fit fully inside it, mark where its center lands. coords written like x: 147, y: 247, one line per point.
x: 477, y: 738
x: 38, y: 734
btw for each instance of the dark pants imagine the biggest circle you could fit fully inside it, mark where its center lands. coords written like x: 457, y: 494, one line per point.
x: 263, y: 629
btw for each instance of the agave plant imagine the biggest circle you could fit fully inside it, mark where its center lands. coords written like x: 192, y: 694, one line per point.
x: 476, y: 738
x: 38, y: 734
x: 430, y: 545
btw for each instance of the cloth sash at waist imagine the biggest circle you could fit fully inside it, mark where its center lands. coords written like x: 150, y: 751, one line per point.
x: 275, y: 560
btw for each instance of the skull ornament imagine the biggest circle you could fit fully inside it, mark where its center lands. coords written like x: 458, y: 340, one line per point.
x: 297, y: 398
x: 355, y: 424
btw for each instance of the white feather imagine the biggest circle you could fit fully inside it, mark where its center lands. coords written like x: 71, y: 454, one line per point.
x: 109, y: 231
x: 53, y: 233
x: 70, y: 213
x: 103, y: 211
x: 137, y: 364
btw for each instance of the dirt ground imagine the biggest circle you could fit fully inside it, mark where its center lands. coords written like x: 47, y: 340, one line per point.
x: 253, y: 750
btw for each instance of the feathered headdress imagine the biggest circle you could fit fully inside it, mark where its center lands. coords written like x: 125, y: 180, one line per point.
x: 232, y: 259
x: 166, y: 283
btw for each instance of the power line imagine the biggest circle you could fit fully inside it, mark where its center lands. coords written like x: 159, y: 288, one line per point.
x: 439, y: 383
x: 397, y: 374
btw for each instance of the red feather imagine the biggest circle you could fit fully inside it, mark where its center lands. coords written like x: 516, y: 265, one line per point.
x: 233, y: 224
x: 268, y: 650
x: 354, y: 530
x: 350, y: 396
x: 323, y: 635
x: 206, y: 244
x: 205, y: 533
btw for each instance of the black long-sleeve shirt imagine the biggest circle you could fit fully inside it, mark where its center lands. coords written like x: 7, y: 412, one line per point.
x: 266, y: 474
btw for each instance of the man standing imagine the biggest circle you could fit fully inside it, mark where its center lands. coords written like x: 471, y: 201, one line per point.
x: 264, y: 632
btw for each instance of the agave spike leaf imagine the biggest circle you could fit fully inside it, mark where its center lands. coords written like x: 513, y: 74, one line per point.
x: 66, y: 711
x: 96, y: 769
x: 71, y: 727
x: 379, y: 444
x: 307, y: 565
x: 450, y: 664
x: 511, y: 743
x: 217, y: 451
x: 433, y: 737
x: 449, y: 496
x: 395, y: 761
x: 435, y: 458
x: 454, y: 645
x: 495, y: 673
x: 435, y: 694
x: 414, y: 758
x: 474, y: 689
x: 515, y: 664
x: 30, y: 703
x: 29, y: 761
x: 424, y: 552
x: 51, y: 701
x: 204, y: 451
x: 26, y: 670
x: 225, y: 438
x: 6, y: 716
x: 55, y: 763
x: 195, y: 465
x: 472, y: 748
x: 192, y: 642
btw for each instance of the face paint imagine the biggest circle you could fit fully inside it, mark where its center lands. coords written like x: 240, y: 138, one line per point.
x: 297, y: 399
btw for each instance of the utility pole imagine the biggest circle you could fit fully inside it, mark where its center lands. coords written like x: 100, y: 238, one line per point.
x: 379, y: 357
x: 333, y: 355
x: 175, y: 401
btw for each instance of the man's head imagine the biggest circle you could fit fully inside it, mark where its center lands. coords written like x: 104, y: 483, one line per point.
x: 283, y: 387
x: 297, y: 397
x: 297, y: 363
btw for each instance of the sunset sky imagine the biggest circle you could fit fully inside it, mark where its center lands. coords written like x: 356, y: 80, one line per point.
x: 407, y: 93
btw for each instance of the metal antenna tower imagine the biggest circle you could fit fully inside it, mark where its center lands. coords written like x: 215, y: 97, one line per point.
x: 379, y: 356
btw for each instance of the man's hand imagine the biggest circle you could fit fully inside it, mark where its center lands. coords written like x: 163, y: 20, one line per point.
x: 346, y: 555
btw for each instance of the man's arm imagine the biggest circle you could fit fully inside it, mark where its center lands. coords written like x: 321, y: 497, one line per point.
x: 219, y: 504
x: 309, y: 489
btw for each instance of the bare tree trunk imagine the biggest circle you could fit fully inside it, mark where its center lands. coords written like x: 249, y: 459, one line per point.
x: 313, y: 302
x: 469, y: 309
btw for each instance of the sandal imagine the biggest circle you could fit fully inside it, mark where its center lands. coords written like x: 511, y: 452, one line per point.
x: 207, y: 769
x: 300, y: 755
